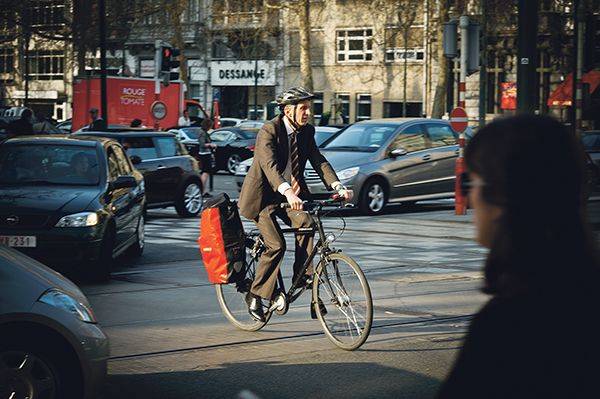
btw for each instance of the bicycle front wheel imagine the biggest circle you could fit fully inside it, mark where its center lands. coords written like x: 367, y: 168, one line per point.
x: 346, y: 311
x: 232, y: 300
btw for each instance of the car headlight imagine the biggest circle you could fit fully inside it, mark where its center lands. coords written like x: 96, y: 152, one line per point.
x: 83, y: 219
x: 349, y: 173
x: 61, y: 300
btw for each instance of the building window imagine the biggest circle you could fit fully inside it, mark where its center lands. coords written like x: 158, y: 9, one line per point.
x: 318, y: 107
x: 355, y: 45
x: 363, y: 107
x: 48, y: 14
x: 46, y: 65
x: 345, y: 101
x: 7, y: 60
x: 393, y: 109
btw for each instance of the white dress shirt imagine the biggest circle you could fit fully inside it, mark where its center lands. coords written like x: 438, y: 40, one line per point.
x: 287, y: 174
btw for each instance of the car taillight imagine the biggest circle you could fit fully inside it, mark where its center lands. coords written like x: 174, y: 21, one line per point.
x: 251, y: 147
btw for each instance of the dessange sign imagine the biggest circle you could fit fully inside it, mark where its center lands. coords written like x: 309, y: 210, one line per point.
x: 243, y: 73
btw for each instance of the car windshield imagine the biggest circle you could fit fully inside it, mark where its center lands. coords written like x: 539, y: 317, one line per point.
x: 249, y: 133
x: 320, y: 137
x: 48, y: 164
x: 365, y: 137
x: 591, y: 142
x: 192, y: 132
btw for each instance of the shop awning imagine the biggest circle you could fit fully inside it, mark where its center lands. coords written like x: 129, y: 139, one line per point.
x: 562, y: 96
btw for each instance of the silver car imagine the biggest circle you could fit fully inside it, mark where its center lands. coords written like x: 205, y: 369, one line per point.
x: 392, y: 160
x: 50, y: 343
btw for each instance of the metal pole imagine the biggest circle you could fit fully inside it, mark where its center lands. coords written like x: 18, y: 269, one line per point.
x: 527, y: 55
x: 460, y: 202
x: 578, y: 72
x: 483, y: 66
x: 157, y: 66
x: 255, y: 86
x: 103, y: 93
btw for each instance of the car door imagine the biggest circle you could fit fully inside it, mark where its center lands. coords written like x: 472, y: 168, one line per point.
x: 444, y: 151
x: 120, y: 199
x: 171, y: 165
x: 410, y: 168
x: 135, y: 193
x: 222, y: 139
x: 150, y: 165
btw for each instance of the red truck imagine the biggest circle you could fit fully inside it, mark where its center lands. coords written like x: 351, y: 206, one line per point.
x: 132, y: 98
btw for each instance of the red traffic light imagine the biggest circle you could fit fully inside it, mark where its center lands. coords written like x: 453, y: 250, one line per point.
x: 166, y: 52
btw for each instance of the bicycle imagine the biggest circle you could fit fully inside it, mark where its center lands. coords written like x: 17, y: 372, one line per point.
x: 341, y: 297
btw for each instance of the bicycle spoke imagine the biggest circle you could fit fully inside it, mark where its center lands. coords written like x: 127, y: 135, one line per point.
x: 341, y: 283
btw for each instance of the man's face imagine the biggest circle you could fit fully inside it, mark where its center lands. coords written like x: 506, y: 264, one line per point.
x: 303, y: 112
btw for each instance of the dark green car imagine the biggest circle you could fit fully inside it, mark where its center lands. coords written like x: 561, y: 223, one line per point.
x: 69, y: 200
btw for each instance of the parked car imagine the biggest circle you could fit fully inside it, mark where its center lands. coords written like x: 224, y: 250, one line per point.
x: 234, y: 144
x: 391, y: 160
x: 117, y: 128
x: 51, y: 345
x: 251, y: 124
x: 65, y: 126
x: 71, y: 200
x: 591, y: 144
x: 171, y: 174
x: 228, y: 122
x: 322, y: 135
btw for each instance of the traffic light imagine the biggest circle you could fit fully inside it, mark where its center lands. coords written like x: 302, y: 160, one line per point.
x: 169, y: 58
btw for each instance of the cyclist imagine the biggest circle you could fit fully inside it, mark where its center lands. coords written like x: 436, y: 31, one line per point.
x: 283, y: 146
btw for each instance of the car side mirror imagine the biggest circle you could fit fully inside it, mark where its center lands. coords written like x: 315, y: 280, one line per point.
x: 124, y: 182
x: 135, y: 159
x: 397, y: 152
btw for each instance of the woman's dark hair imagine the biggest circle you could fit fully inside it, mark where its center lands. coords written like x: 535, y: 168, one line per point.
x: 534, y: 169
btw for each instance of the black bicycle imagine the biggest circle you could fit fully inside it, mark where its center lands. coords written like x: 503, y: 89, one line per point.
x: 339, y: 285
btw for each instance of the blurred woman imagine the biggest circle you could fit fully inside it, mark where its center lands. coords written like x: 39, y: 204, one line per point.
x: 536, y: 337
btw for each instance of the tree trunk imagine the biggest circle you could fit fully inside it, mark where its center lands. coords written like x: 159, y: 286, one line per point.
x: 439, y: 100
x: 305, y: 59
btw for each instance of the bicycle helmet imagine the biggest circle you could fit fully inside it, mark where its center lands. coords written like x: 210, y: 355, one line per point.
x: 294, y: 95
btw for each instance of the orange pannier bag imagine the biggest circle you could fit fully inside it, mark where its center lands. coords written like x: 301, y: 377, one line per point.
x: 222, y: 240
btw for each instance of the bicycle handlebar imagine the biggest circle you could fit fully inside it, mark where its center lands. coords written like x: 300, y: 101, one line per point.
x: 335, y: 199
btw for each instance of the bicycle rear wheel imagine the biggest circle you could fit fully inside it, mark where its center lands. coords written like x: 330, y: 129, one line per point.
x: 346, y: 296
x: 232, y: 300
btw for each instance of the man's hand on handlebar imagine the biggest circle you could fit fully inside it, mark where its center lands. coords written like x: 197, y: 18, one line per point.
x: 347, y: 195
x: 292, y: 199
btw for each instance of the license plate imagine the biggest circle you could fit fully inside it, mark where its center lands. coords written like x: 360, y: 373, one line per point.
x: 19, y: 241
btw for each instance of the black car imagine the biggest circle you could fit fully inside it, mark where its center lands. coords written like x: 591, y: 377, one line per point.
x: 66, y: 199
x: 234, y: 145
x: 172, y: 176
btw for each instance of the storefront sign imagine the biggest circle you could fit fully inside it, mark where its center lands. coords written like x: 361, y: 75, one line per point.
x: 509, y: 95
x: 243, y: 73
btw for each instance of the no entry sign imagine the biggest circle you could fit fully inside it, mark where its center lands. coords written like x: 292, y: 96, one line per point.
x: 458, y: 120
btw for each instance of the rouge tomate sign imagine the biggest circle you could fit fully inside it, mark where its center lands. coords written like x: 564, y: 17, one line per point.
x: 128, y: 99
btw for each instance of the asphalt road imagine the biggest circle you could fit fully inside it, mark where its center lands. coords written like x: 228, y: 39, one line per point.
x: 170, y: 340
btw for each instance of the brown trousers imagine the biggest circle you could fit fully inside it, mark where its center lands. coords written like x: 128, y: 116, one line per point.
x: 268, y: 264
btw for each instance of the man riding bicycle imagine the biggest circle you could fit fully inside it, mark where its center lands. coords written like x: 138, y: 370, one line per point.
x: 283, y: 146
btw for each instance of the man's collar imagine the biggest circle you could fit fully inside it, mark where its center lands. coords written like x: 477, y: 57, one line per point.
x: 288, y: 126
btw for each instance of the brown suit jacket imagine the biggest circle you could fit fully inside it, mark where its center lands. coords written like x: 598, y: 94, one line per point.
x: 271, y: 155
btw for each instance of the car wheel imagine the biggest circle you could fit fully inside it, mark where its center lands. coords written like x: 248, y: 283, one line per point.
x: 104, y: 263
x: 137, y: 248
x: 189, y: 201
x: 232, y: 163
x: 373, y: 197
x: 34, y: 368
